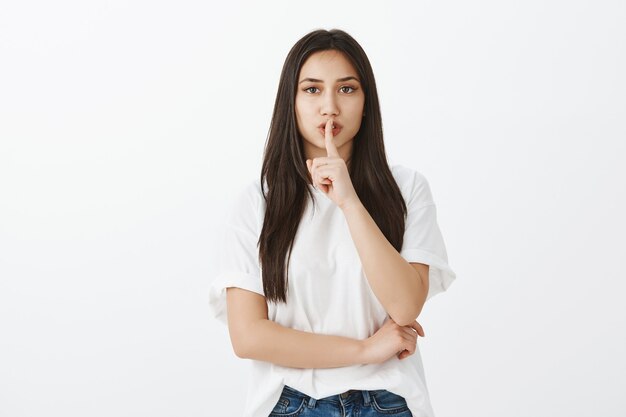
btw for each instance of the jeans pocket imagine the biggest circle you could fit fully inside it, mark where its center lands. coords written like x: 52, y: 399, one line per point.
x: 387, y: 402
x: 289, y: 404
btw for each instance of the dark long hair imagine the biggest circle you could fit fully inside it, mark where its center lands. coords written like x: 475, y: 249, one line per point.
x: 285, y: 172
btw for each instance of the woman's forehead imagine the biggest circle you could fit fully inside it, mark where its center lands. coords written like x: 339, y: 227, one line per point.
x: 327, y: 66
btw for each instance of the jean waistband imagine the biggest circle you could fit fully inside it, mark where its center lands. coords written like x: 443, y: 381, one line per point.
x: 364, y: 393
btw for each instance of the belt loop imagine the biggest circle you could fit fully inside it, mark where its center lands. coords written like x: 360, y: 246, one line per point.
x: 312, y: 402
x: 366, y: 397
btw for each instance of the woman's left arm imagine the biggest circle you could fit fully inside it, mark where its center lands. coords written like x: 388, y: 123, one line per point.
x: 400, y: 286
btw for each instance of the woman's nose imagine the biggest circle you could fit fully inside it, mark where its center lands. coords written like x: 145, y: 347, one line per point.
x: 329, y: 105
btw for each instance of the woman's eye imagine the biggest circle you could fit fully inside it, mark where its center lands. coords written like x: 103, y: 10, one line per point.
x: 351, y: 89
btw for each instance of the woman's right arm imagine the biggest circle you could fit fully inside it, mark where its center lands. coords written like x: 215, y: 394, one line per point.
x: 254, y: 336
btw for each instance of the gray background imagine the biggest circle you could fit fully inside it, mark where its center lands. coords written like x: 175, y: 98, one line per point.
x: 126, y: 128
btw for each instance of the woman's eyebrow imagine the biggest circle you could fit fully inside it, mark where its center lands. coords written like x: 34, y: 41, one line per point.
x: 315, y: 80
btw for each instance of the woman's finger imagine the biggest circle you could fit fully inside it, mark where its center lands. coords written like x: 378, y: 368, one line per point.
x: 418, y: 328
x: 409, y: 345
x: 322, y: 161
x: 410, y: 336
x: 331, y: 149
x: 410, y: 332
x: 324, y: 172
x: 404, y: 354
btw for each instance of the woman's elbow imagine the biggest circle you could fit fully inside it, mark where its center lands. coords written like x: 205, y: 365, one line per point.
x: 407, y: 316
x: 239, y: 342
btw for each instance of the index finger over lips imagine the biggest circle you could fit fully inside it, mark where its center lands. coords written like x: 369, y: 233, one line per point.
x: 331, y: 149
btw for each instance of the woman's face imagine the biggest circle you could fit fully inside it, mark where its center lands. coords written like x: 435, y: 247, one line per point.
x: 328, y: 88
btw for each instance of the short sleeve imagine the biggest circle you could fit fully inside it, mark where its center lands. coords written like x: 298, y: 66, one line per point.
x: 423, y: 241
x: 237, y: 257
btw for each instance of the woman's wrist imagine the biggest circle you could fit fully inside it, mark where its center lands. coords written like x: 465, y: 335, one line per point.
x: 362, y: 355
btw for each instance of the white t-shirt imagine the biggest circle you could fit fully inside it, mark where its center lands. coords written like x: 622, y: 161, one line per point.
x: 328, y: 292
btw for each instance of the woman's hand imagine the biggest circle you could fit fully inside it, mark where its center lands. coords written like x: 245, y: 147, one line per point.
x: 330, y: 173
x: 391, y: 339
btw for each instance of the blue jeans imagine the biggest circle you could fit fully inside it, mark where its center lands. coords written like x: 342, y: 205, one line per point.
x: 351, y: 403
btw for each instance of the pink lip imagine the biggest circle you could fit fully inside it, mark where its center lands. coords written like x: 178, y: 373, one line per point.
x: 335, y: 123
x: 335, y: 131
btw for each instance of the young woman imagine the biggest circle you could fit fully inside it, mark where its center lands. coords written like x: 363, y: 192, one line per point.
x: 327, y: 260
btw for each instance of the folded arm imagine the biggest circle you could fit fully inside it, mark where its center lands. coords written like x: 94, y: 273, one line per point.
x: 254, y: 336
